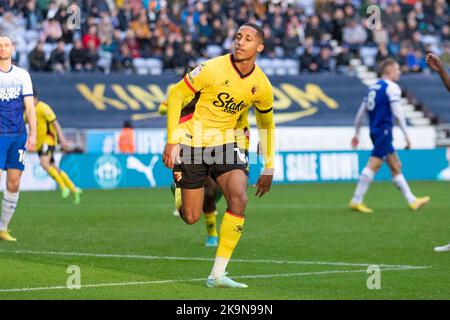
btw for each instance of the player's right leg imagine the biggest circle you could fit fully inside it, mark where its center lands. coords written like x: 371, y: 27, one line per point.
x: 400, y: 182
x: 364, y: 181
x: 190, y: 176
x: 12, y: 158
x: 234, y: 186
x: 68, y: 182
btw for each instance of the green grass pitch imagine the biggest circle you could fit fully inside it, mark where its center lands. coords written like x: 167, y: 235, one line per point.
x: 299, y: 242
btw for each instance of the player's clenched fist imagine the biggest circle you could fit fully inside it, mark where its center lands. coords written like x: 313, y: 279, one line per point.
x: 171, y: 154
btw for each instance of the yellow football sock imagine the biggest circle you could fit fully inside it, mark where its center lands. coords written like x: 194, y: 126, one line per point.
x: 210, y: 221
x: 230, y: 233
x: 53, y: 172
x: 68, y: 182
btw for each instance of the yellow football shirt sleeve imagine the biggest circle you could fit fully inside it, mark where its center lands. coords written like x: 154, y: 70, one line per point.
x: 266, y: 125
x: 195, y: 81
x: 199, y: 78
x: 48, y: 113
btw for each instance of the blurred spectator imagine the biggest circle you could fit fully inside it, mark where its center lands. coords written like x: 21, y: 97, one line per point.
x: 105, y: 28
x: 187, y: 58
x: 169, y: 59
x: 57, y: 61
x: 354, y: 34
x: 313, y: 29
x: 52, y: 31
x: 124, y: 60
x: 132, y: 44
x: 142, y: 32
x: 382, y: 53
x: 290, y: 43
x: 308, y: 61
x: 32, y: 15
x: 325, y: 61
x: 343, y: 59
x: 77, y: 56
x: 269, y: 43
x: 12, y: 26
x: 36, y: 58
x: 91, y: 36
x: 415, y: 60
x: 92, y: 56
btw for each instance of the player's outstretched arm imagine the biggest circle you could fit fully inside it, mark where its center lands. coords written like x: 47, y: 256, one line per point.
x: 61, y: 137
x: 30, y: 113
x: 358, y: 123
x: 266, y: 126
x: 437, y: 65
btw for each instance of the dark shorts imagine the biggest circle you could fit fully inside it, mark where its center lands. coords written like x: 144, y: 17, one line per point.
x: 199, y: 163
x: 47, y: 150
x: 382, y: 144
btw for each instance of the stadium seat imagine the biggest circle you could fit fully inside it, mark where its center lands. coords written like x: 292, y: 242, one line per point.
x: 213, y: 50
x: 368, y: 55
x: 140, y: 66
x: 154, y: 65
x: 105, y: 60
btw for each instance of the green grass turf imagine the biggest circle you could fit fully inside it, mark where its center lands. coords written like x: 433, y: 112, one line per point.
x: 308, y: 222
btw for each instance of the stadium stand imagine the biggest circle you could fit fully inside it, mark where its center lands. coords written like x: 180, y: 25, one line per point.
x: 150, y: 36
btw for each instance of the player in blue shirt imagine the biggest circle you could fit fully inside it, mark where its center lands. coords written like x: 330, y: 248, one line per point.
x: 382, y: 103
x: 16, y: 96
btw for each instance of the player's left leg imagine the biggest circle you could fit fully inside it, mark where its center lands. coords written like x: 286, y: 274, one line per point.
x: 365, y: 179
x: 400, y: 182
x: 234, y: 187
x: 45, y: 157
x: 212, y: 192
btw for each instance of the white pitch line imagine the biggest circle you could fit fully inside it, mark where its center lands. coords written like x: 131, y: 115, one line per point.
x: 143, y: 257
x: 138, y: 283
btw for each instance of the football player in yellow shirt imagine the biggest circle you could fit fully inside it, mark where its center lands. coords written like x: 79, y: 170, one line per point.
x: 48, y: 133
x: 213, y: 194
x: 201, y: 139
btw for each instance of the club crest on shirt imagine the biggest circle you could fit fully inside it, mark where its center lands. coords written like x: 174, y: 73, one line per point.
x: 254, y: 90
x: 177, y: 175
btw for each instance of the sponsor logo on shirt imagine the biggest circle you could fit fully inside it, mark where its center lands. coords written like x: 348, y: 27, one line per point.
x: 228, y: 103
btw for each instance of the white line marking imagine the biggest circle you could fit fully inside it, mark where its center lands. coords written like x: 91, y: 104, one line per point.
x: 143, y: 257
x: 137, y: 283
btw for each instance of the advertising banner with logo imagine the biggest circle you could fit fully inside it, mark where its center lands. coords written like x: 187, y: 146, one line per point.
x: 94, y: 101
x: 288, y: 139
x: 132, y: 171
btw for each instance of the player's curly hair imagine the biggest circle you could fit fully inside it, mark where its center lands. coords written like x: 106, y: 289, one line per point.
x: 259, y: 30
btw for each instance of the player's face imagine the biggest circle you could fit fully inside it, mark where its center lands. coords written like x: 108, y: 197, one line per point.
x: 246, y: 44
x: 396, y: 72
x: 6, y: 48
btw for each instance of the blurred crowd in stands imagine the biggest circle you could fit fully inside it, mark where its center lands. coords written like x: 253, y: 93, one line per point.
x: 322, y: 35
